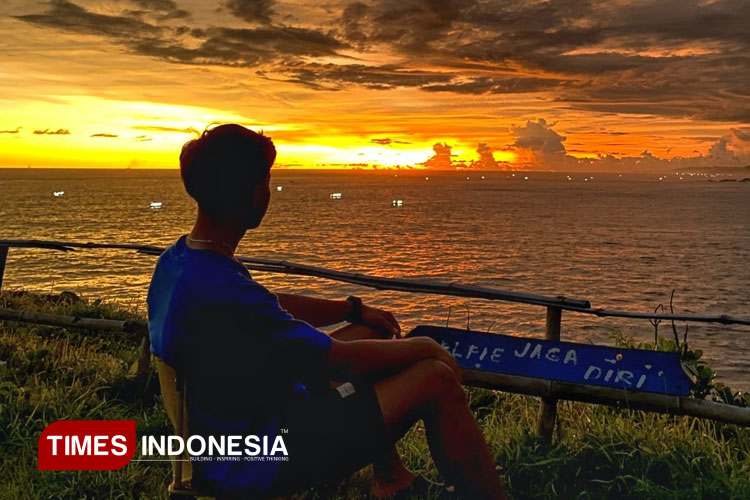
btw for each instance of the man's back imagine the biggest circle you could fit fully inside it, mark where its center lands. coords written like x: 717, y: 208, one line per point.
x: 244, y: 358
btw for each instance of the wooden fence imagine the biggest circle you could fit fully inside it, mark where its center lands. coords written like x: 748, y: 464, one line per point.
x: 548, y: 390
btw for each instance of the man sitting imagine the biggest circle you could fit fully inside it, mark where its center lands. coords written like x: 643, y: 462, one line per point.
x: 254, y: 363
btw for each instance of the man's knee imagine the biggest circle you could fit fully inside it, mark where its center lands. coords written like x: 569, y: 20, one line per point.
x: 440, y: 383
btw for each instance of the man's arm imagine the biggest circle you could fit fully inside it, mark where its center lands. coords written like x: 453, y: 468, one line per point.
x: 317, y: 312
x: 324, y: 312
x: 383, y: 357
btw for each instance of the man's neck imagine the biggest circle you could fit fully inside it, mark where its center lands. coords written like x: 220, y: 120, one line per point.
x: 211, y: 235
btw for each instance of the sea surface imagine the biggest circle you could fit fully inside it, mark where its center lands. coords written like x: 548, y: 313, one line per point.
x: 622, y: 242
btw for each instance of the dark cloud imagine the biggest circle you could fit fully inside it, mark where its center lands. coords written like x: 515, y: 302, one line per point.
x: 216, y: 45
x: 410, y: 25
x: 487, y: 85
x: 104, y: 134
x: 742, y: 134
x: 252, y: 10
x: 15, y: 131
x: 163, y: 9
x: 46, y: 131
x: 486, y: 159
x: 387, y: 140
x: 157, y: 128
x: 720, y: 151
x: 374, y: 77
x: 676, y: 20
x: 442, y: 159
x: 538, y: 137
x: 683, y: 59
x: 656, y: 57
x: 704, y: 138
x: 143, y: 138
x: 68, y: 16
x: 548, y: 152
x: 595, y: 131
x: 245, y: 47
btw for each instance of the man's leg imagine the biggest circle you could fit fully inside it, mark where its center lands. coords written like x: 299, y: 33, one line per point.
x: 389, y: 474
x: 428, y: 390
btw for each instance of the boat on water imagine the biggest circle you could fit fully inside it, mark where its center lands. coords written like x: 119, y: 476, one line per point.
x: 155, y: 205
x: 58, y: 194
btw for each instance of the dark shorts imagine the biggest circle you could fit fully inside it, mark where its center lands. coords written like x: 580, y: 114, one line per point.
x: 330, y: 436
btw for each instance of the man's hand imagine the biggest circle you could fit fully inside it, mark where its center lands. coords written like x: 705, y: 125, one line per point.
x: 384, y: 321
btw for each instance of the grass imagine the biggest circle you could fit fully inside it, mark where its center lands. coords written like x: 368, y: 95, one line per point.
x: 49, y: 374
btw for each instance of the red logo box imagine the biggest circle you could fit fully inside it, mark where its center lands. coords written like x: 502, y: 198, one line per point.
x: 87, y: 445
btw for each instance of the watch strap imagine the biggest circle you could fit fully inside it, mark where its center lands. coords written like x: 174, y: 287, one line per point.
x: 355, y: 312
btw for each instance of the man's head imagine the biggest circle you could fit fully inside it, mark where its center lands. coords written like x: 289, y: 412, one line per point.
x: 227, y: 171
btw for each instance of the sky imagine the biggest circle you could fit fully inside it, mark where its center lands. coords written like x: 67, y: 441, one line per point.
x: 423, y: 84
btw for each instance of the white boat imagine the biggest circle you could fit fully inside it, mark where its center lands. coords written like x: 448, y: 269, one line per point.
x: 279, y: 188
x: 58, y: 194
x: 335, y: 196
x: 397, y: 203
x: 155, y: 204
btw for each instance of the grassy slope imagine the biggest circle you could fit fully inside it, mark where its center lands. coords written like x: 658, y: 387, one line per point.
x: 53, y: 374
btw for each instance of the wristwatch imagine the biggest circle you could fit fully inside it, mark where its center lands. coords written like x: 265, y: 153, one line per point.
x: 355, y: 313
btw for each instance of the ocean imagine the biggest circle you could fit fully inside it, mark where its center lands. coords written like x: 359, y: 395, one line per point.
x: 621, y: 241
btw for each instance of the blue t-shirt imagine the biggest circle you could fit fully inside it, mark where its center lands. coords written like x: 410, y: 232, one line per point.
x: 245, y: 359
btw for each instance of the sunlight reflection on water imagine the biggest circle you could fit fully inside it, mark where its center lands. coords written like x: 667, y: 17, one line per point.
x: 620, y: 242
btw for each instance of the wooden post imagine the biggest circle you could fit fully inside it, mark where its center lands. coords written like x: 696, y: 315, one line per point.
x: 144, y: 358
x: 548, y: 407
x: 3, y: 258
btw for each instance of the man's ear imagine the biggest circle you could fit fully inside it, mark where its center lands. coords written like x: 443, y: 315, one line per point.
x: 257, y: 195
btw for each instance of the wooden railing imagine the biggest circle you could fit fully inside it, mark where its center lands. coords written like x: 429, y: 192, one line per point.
x: 549, y: 391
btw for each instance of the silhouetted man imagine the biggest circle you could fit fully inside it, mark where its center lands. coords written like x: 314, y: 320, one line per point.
x: 254, y: 362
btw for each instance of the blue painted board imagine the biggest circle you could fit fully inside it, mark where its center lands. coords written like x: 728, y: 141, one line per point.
x: 634, y: 369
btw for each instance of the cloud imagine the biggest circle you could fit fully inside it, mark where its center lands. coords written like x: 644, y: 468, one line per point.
x: 104, y: 134
x: 14, y: 131
x: 161, y: 10
x: 655, y: 57
x: 157, y: 128
x: 408, y: 25
x: 486, y: 159
x: 226, y: 46
x: 380, y: 77
x: 548, y: 152
x: 442, y: 159
x: 719, y: 149
x: 487, y: 85
x: 252, y: 10
x: 60, y: 131
x: 241, y: 47
x: 538, y: 137
x: 743, y: 134
x: 584, y: 50
x: 143, y: 138
x: 68, y: 16
x: 387, y: 140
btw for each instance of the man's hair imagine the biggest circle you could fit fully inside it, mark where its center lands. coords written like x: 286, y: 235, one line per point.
x: 221, y: 168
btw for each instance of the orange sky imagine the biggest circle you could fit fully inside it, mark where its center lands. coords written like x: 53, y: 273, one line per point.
x: 413, y: 83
